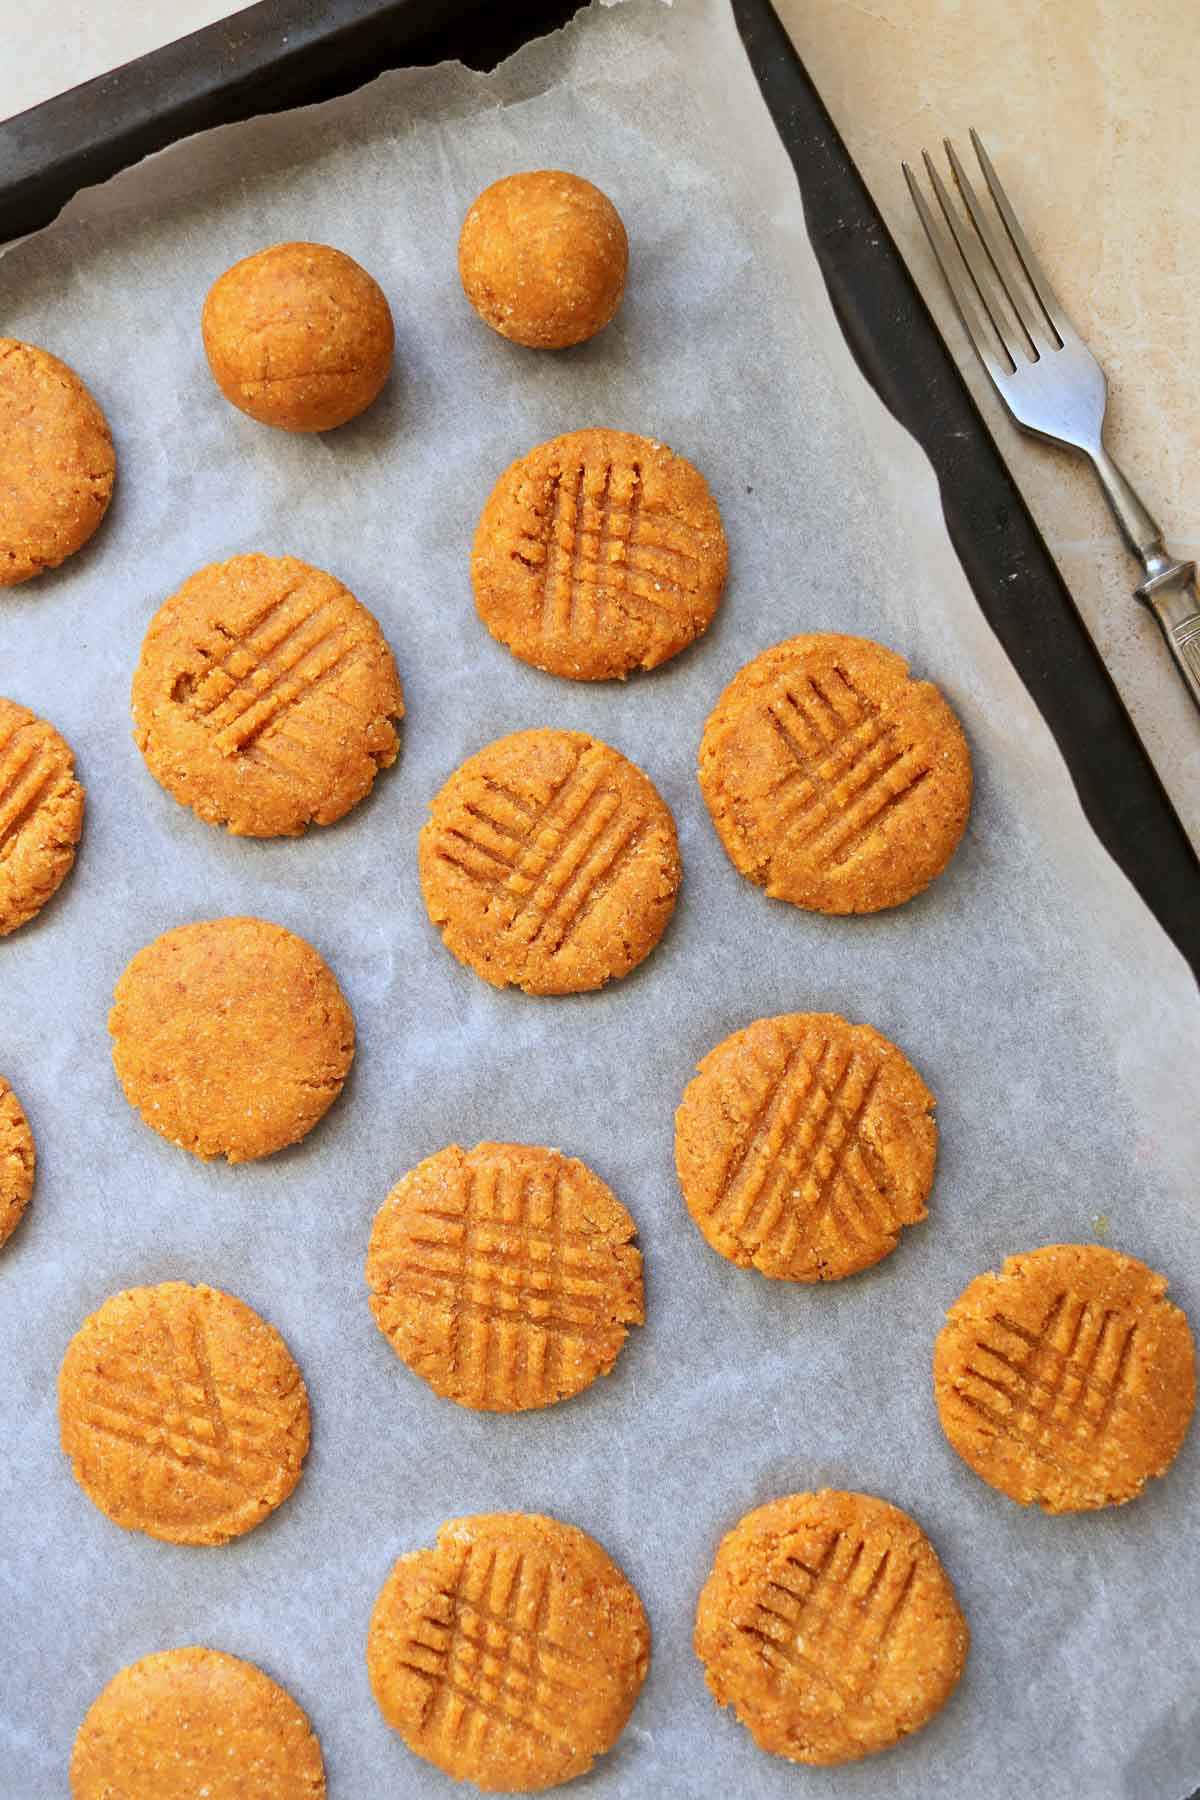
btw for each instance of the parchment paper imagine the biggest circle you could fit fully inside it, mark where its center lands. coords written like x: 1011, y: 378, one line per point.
x: 1030, y: 986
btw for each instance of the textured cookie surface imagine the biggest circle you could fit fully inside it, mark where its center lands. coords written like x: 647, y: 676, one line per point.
x: 57, y: 465
x: 41, y: 814
x: 511, y: 1654
x: 266, y: 697
x: 192, y: 1722
x: 542, y: 257
x: 549, y: 862
x: 1067, y: 1379
x: 17, y: 1161
x: 598, y: 553
x: 833, y: 779
x: 298, y: 336
x: 830, y: 1626
x: 230, y: 1037
x: 804, y: 1145
x: 505, y: 1275
x: 183, y: 1413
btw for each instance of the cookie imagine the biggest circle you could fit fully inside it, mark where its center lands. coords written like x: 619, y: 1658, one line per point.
x: 57, y: 465
x: 834, y: 780
x: 231, y: 1037
x: 511, y: 1654
x: 804, y: 1145
x: 183, y: 1413
x: 543, y: 257
x: 266, y: 697
x: 298, y: 336
x: 1068, y: 1378
x: 41, y: 814
x: 505, y: 1275
x: 599, y: 553
x: 549, y: 863
x: 17, y: 1162
x: 184, y: 1723
x: 830, y: 1626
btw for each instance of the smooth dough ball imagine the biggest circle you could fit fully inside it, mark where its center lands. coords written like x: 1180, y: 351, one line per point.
x: 543, y: 258
x: 57, y: 464
x: 298, y: 336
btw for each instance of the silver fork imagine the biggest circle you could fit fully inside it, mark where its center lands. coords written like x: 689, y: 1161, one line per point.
x: 1047, y: 377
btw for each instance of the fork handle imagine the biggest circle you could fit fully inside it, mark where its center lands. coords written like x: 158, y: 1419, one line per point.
x: 1174, y: 598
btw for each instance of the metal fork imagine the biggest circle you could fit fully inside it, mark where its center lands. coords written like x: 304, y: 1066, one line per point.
x: 1047, y: 377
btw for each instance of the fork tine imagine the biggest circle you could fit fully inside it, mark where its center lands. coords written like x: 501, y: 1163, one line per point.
x: 960, y: 287
x: 1001, y: 260
x: 976, y: 266
x: 1056, y: 318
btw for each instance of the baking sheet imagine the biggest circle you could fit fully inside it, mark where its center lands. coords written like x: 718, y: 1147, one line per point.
x: 1037, y: 996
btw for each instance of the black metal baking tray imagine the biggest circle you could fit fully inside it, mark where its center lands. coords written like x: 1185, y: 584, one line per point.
x: 282, y: 53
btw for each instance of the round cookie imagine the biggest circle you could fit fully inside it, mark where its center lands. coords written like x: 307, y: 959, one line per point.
x: 804, y: 1145
x: 231, y: 1037
x: 543, y: 257
x: 183, y: 1413
x: 18, y: 1160
x: 511, y: 1654
x: 266, y: 697
x: 549, y: 863
x: 598, y: 553
x: 830, y: 1626
x: 834, y: 780
x: 41, y: 814
x: 187, y: 1722
x: 505, y: 1275
x: 1068, y: 1378
x: 57, y: 465
x: 298, y: 336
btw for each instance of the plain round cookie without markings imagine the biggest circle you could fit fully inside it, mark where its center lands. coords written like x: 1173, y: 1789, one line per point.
x: 183, y: 1413
x: 266, y: 697
x: 231, y: 1037
x: 509, y: 1655
x: 18, y: 1161
x: 41, y: 814
x: 190, y: 1722
x: 835, y: 780
x: 57, y: 465
x: 598, y: 553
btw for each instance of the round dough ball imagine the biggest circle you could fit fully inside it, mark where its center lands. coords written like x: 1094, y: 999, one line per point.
x: 543, y: 258
x: 298, y: 336
x: 57, y: 465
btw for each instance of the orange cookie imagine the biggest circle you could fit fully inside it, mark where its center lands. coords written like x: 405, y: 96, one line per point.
x: 598, y: 553
x: 41, y: 814
x: 511, y: 1655
x: 804, y: 1145
x: 830, y: 1626
x: 266, y: 697
x: 193, y: 1722
x: 56, y: 462
x: 231, y: 1037
x: 549, y: 863
x: 834, y: 780
x: 543, y: 258
x: 18, y: 1159
x: 505, y: 1275
x: 183, y: 1413
x: 1067, y: 1379
x: 298, y: 336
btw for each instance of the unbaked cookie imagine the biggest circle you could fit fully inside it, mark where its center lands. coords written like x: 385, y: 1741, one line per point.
x: 57, y: 465
x: 834, y: 780
x: 549, y: 863
x: 41, y: 813
x: 505, y: 1275
x: 266, y: 697
x: 804, y: 1145
x: 543, y: 258
x: 185, y: 1723
x: 231, y: 1037
x: 183, y: 1413
x: 830, y: 1626
x: 510, y: 1655
x: 599, y: 553
x: 298, y: 336
x: 1068, y: 1378
x: 17, y: 1161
